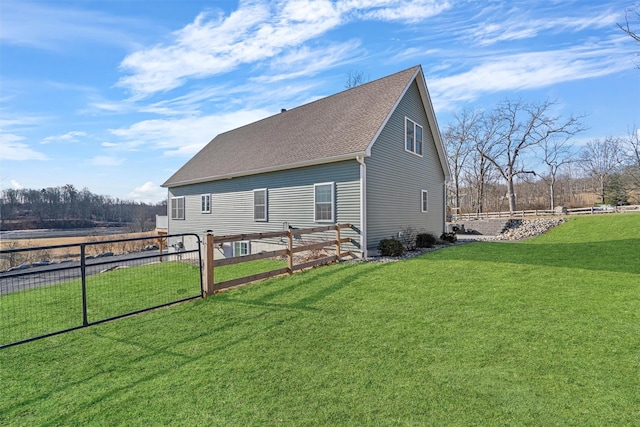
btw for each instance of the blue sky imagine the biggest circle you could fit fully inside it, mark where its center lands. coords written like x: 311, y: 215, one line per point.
x: 117, y: 95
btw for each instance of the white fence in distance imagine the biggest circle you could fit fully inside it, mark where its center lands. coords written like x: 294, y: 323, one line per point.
x: 537, y: 212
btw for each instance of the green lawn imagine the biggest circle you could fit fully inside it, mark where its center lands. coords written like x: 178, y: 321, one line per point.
x: 52, y: 308
x: 540, y: 332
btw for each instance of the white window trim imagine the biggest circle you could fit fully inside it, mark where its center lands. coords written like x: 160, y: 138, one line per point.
x: 233, y: 247
x: 415, y: 141
x: 183, y: 208
x: 424, y: 193
x: 208, y: 196
x: 333, y: 202
x: 266, y: 205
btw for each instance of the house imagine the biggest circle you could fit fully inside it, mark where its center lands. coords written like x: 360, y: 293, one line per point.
x: 370, y: 156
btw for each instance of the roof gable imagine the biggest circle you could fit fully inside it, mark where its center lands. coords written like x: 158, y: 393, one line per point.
x: 338, y: 127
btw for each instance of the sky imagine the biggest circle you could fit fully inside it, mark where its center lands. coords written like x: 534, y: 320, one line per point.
x: 116, y: 95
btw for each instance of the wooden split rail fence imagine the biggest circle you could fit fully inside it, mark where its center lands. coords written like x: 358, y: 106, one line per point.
x: 539, y: 212
x: 210, y: 286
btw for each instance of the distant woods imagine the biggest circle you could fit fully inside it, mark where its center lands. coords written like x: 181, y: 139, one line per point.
x: 521, y: 155
x: 68, y: 207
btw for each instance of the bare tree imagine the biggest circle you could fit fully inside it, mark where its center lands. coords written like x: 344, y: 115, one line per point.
x: 520, y: 127
x: 601, y: 158
x: 355, y: 78
x: 460, y: 141
x: 479, y: 174
x: 631, y: 146
x: 626, y: 27
x: 556, y: 152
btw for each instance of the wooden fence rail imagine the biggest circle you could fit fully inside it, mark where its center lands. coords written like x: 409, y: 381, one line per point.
x: 540, y: 212
x: 209, y: 284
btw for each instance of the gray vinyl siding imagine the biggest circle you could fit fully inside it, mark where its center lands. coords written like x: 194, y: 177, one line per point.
x: 290, y: 198
x: 396, y: 177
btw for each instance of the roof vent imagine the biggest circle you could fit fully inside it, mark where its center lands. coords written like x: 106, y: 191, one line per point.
x: 282, y: 110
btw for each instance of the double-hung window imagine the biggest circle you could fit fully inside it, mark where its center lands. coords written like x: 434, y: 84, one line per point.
x: 205, y: 203
x: 424, y: 201
x: 260, y: 204
x: 324, y: 202
x: 412, y: 137
x: 177, y: 208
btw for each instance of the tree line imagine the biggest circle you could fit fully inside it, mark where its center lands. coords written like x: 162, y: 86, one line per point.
x: 520, y: 155
x: 66, y: 207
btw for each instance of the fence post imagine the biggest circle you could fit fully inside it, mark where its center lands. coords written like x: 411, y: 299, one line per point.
x: 83, y: 280
x: 338, y: 251
x: 208, y: 265
x: 290, y: 251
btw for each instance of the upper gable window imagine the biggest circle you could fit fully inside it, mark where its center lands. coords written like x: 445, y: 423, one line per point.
x: 412, y: 137
x: 260, y: 204
x: 177, y: 208
x: 205, y: 203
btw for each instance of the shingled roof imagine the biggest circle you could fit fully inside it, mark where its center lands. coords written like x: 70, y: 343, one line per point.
x: 338, y: 127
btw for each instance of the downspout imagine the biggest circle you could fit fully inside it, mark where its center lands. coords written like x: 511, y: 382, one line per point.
x: 363, y: 205
x: 444, y: 207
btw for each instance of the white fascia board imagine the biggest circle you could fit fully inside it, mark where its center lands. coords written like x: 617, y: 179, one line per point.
x: 334, y: 159
x: 433, y: 123
x: 384, y: 123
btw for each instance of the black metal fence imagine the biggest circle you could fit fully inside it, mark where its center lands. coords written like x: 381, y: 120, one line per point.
x: 49, y: 290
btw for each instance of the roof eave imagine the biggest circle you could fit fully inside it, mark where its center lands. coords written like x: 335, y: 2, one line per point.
x: 314, y: 162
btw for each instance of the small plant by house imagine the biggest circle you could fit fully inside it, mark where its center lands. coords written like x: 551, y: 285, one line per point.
x: 425, y: 240
x: 391, y: 247
x: 408, y: 238
x: 449, y: 237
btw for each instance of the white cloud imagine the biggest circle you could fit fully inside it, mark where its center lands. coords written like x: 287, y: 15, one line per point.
x: 148, y: 193
x: 519, y: 26
x: 529, y: 70
x: 106, y: 161
x: 12, y: 149
x: 257, y: 31
x: 52, y: 27
x: 16, y: 185
x: 19, y: 121
x: 69, y: 137
x: 183, y: 136
x: 307, y: 61
x: 405, y: 11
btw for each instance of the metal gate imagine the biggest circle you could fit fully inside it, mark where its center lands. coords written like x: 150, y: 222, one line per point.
x: 49, y: 290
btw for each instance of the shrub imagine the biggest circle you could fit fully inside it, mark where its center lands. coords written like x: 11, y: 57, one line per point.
x: 391, y: 247
x: 449, y: 237
x: 408, y: 238
x: 425, y: 240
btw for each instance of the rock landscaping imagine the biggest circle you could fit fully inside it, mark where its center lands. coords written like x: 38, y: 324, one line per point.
x: 516, y: 229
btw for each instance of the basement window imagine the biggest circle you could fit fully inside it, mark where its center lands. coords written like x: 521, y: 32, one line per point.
x: 240, y: 248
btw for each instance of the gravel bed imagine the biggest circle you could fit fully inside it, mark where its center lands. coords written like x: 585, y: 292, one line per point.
x: 408, y: 254
x: 517, y: 229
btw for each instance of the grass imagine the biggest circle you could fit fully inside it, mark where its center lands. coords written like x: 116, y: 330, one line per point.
x: 540, y: 332
x: 47, y: 309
